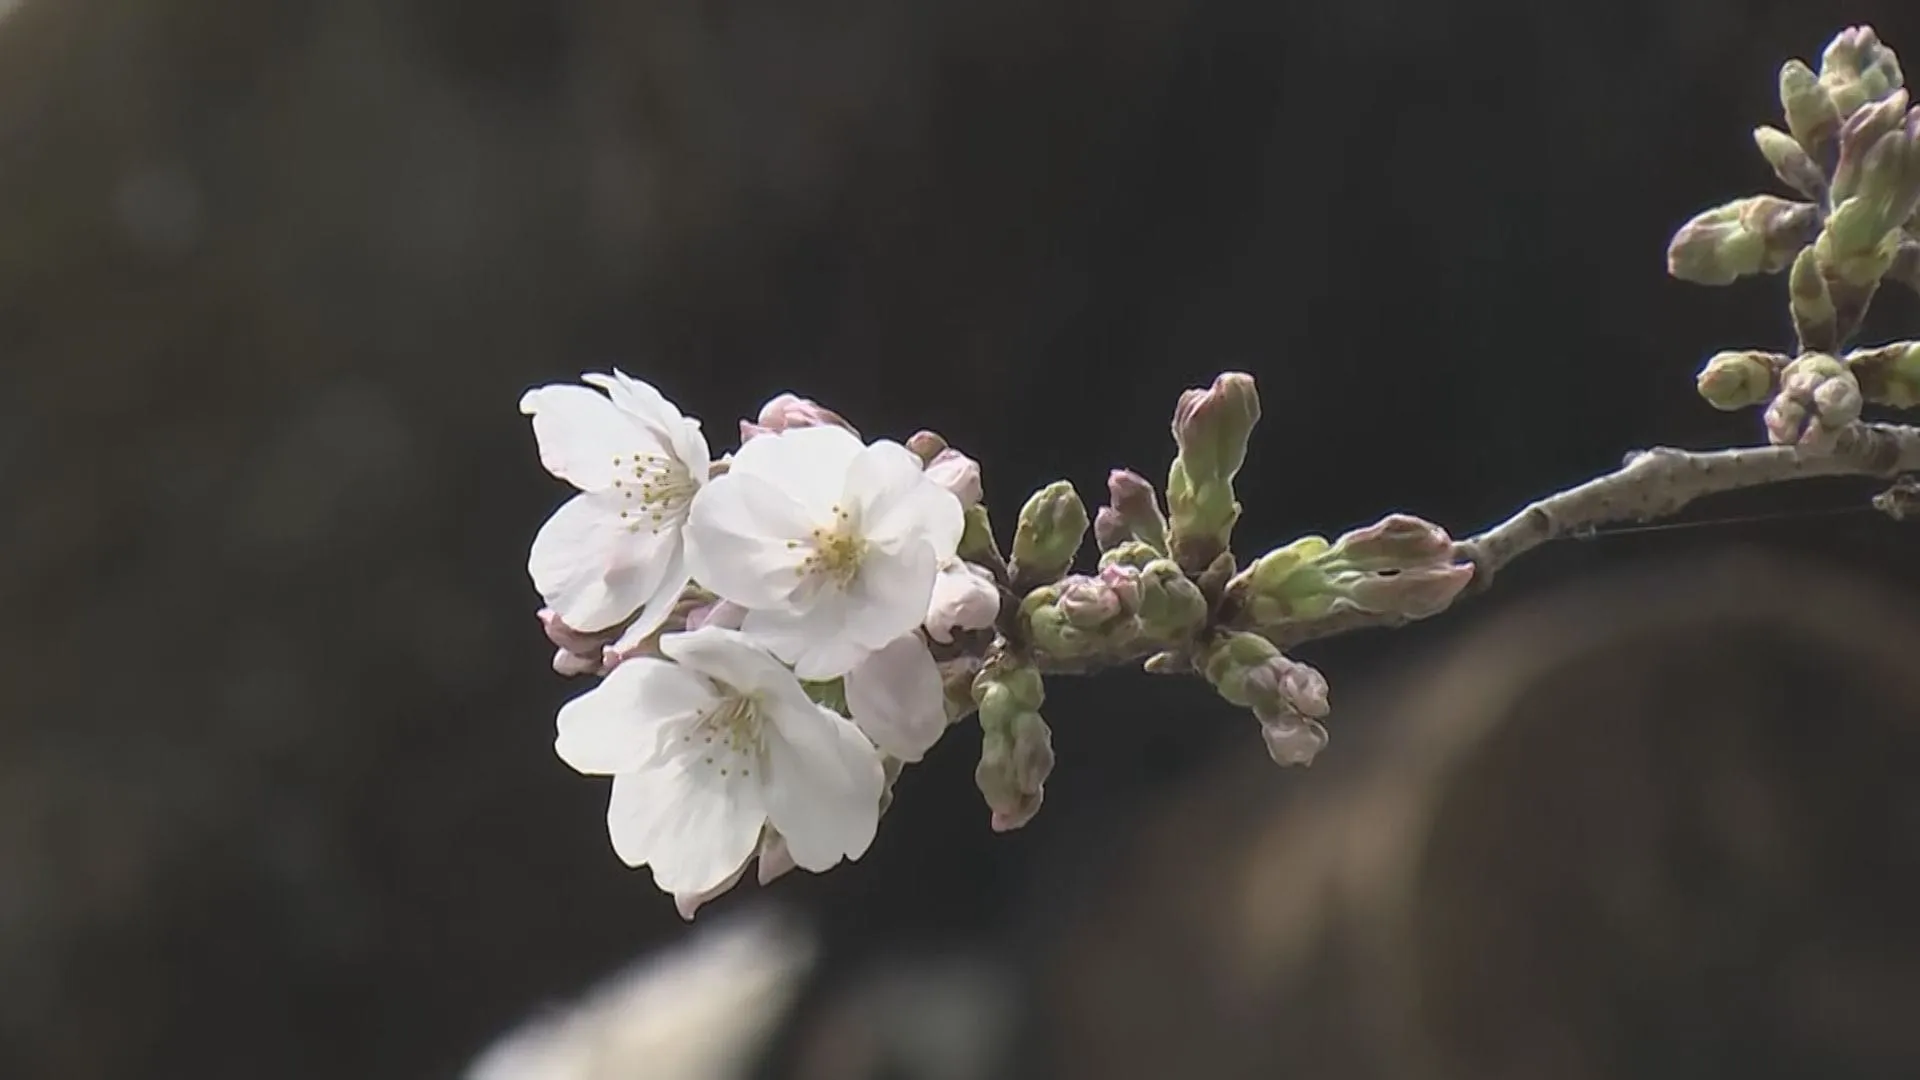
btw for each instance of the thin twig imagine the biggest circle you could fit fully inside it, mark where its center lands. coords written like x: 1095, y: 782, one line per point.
x: 1652, y: 484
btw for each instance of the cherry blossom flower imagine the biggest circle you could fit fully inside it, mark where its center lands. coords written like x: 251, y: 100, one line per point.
x: 832, y: 546
x: 707, y: 748
x: 616, y: 548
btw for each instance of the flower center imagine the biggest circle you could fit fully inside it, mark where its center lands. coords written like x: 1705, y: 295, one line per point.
x: 731, y: 738
x: 838, y: 550
x: 656, y: 489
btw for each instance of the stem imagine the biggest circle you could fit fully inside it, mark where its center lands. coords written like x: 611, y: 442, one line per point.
x: 1652, y: 484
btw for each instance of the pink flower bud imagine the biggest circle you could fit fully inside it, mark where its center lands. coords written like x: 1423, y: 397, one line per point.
x: 959, y: 474
x: 788, y: 411
x: 579, y: 652
x: 1293, y: 740
x: 964, y: 598
x: 926, y: 445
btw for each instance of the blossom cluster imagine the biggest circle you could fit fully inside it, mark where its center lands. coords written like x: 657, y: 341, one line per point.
x: 762, y: 624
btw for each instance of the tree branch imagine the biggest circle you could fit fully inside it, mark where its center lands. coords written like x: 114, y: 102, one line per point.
x: 1652, y: 484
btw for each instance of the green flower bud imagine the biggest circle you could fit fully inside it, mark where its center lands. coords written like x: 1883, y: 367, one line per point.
x: 1866, y: 132
x: 1818, y: 397
x: 1284, y: 583
x: 1739, y: 380
x: 1171, y: 606
x: 1858, y: 244
x: 977, y: 545
x: 1015, y: 762
x: 1211, y: 428
x: 1888, y: 375
x: 1811, y: 115
x: 1052, y: 526
x: 1790, y: 162
x: 1759, y: 234
x: 1856, y: 69
x: 1016, y: 747
x: 1815, y: 319
x: 1287, y: 697
x: 1133, y: 554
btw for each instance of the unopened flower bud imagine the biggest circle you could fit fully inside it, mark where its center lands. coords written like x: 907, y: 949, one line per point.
x: 1811, y: 115
x: 1138, y: 506
x: 1052, y: 526
x: 1818, y: 397
x: 957, y: 473
x: 1124, y: 582
x: 1858, y: 243
x: 1759, y: 234
x: 1282, y: 583
x: 1414, y: 593
x: 1212, y: 428
x: 976, y: 539
x: 788, y: 411
x: 1810, y: 300
x: 1016, y: 747
x: 964, y: 598
x: 1014, y: 765
x: 1088, y: 603
x: 1109, y: 528
x: 1171, y: 606
x: 1132, y: 554
x: 1889, y: 374
x: 1738, y: 380
x: 1293, y: 740
x: 1790, y: 162
x: 1856, y: 69
x: 926, y: 445
x: 1395, y: 542
x: 1287, y: 697
x: 1862, y: 132
x: 578, y: 652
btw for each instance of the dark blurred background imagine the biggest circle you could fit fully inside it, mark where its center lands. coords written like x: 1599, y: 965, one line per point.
x: 277, y: 792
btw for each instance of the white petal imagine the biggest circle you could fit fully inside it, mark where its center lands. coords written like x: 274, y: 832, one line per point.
x: 691, y: 826
x: 898, y: 503
x: 580, y: 433
x: 891, y: 594
x: 895, y: 697
x: 814, y: 641
x: 689, y: 904
x: 616, y: 726
x: 823, y: 786
x: 740, y: 533
x: 590, y: 569
x: 809, y: 463
x: 657, y: 608
x: 964, y: 598
x: 641, y: 400
x: 734, y: 659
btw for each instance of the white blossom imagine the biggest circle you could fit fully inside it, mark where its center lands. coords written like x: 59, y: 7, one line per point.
x: 615, y: 550
x: 831, y: 545
x: 708, y: 747
x: 964, y: 598
x: 896, y: 697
